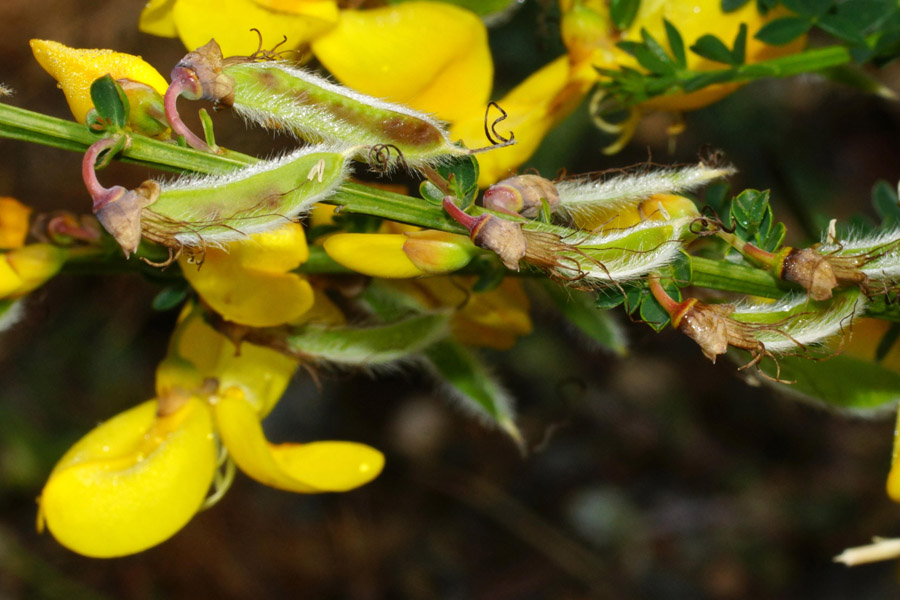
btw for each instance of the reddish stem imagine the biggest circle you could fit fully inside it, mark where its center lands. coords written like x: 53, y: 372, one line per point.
x: 182, y: 81
x: 98, y: 193
x: 460, y: 216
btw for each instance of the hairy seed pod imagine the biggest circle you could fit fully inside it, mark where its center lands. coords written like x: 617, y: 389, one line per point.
x: 522, y: 195
x: 276, y: 95
x: 198, y: 210
x: 592, y: 203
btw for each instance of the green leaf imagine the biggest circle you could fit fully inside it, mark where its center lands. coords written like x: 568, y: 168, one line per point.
x: 646, y: 58
x: 368, y: 346
x: 739, y: 49
x: 579, y: 308
x: 608, y: 297
x: 887, y: 341
x: 709, y: 78
x: 884, y: 199
x: 652, y: 313
x: 732, y: 5
x: 842, y: 381
x: 676, y: 44
x: 170, y: 297
x: 623, y: 12
x: 461, y: 174
x: 473, y: 386
x: 711, y: 47
x: 784, y: 30
x: 753, y: 219
x: 110, y: 102
x: 842, y: 28
x: 809, y: 8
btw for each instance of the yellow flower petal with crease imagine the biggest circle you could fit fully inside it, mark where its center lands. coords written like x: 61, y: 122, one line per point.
x: 10, y: 282
x: 13, y: 223
x: 262, y: 374
x: 230, y: 21
x: 533, y: 108
x: 305, y: 468
x: 157, y: 19
x: 373, y: 254
x: 431, y: 56
x: 132, y: 482
x: 76, y: 69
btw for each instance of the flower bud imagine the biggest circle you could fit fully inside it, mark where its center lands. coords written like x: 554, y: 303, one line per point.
x: 522, y: 195
x: 146, y: 109
x: 76, y: 69
x: 400, y: 255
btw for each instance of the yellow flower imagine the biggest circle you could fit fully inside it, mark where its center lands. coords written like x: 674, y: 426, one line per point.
x: 390, y: 52
x: 137, y: 479
x: 13, y: 223
x: 431, y: 56
x: 241, y: 280
x: 77, y: 69
x: 27, y: 268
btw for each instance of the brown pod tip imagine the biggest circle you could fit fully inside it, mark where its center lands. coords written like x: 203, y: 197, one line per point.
x: 811, y: 270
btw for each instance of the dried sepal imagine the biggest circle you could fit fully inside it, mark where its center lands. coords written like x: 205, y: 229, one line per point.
x: 503, y: 237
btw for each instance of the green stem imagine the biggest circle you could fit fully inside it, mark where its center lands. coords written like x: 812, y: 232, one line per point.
x: 730, y: 277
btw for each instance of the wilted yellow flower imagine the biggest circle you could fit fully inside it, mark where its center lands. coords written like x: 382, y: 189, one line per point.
x: 76, y: 69
x: 492, y: 319
x: 134, y: 481
x: 27, y: 268
x: 13, y: 223
x: 241, y: 280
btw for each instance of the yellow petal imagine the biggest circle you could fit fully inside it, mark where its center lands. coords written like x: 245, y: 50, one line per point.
x: 156, y: 18
x: 132, y: 482
x: 306, y: 468
x: 241, y: 281
x: 262, y: 374
x: 77, y: 69
x: 373, y: 254
x: 533, y: 108
x: 230, y: 21
x: 13, y: 223
x: 431, y: 56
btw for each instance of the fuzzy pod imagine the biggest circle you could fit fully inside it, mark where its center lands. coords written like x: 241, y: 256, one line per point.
x: 275, y: 95
x: 215, y: 209
x: 626, y: 254
x: 591, y: 203
x: 196, y: 211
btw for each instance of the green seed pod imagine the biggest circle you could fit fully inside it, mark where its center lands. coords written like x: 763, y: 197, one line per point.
x: 622, y: 255
x: 276, y: 95
x: 198, y: 210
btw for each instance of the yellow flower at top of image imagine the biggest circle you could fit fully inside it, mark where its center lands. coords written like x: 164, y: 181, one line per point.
x: 76, y: 69
x: 137, y: 479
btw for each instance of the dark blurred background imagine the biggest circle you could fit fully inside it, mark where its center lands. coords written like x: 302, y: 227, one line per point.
x: 656, y: 476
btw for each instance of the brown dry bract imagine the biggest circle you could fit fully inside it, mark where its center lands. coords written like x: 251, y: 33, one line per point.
x: 121, y: 215
x: 503, y: 237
